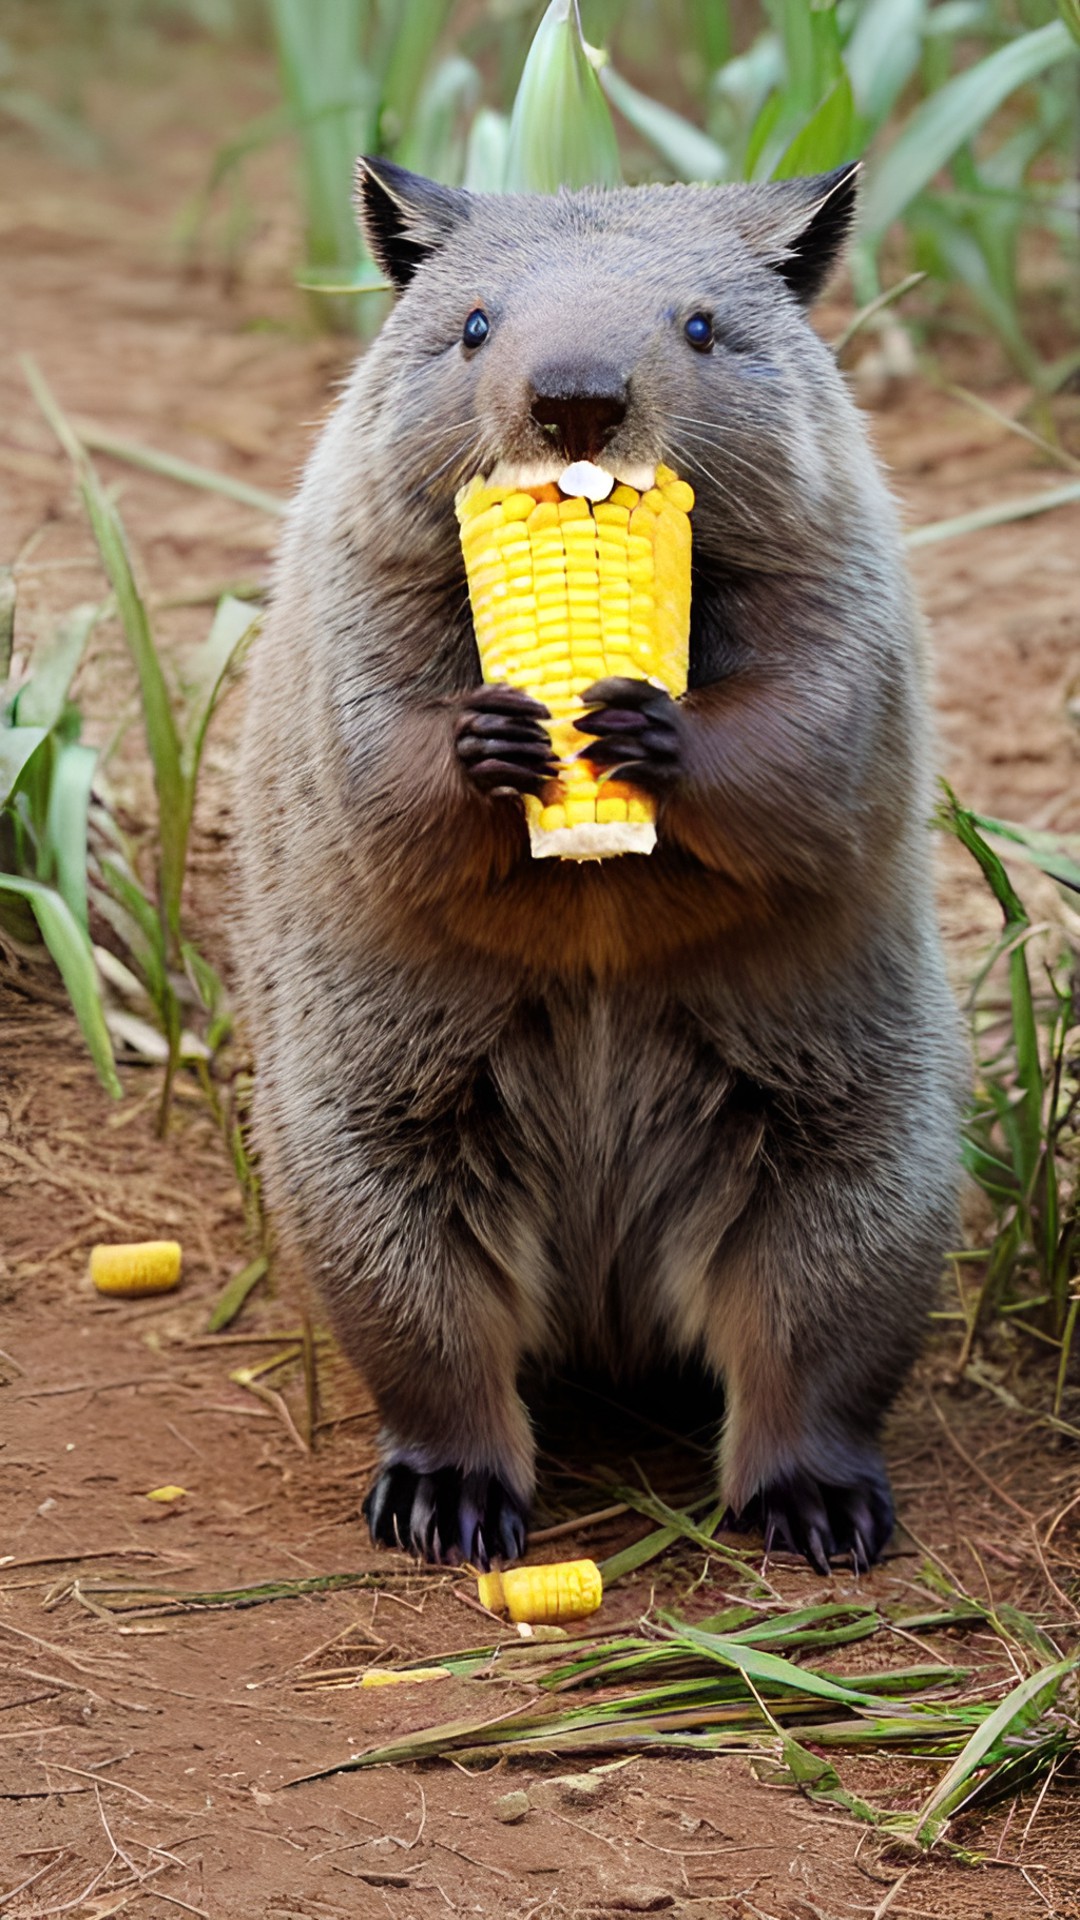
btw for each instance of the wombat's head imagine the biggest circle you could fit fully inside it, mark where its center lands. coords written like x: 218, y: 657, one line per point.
x: 626, y: 327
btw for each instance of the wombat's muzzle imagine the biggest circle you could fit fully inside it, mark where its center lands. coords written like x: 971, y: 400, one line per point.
x: 579, y: 408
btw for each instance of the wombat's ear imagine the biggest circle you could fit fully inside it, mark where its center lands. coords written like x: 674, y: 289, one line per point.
x: 817, y: 227
x: 403, y: 217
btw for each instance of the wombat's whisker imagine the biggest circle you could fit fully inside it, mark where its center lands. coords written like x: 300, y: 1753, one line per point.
x: 456, y: 426
x: 723, y: 447
x: 682, y: 454
x: 456, y: 459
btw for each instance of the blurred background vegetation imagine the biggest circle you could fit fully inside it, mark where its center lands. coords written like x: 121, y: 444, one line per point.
x: 965, y: 110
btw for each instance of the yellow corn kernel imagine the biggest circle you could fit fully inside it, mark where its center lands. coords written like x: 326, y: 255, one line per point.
x: 565, y: 592
x: 144, y: 1266
x: 167, y: 1494
x: 565, y: 1590
x: 402, y: 1676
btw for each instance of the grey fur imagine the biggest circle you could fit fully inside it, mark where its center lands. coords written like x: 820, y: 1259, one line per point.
x: 703, y: 1103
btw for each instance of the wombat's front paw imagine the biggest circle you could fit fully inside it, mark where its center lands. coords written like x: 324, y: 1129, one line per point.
x: 824, y: 1523
x: 446, y: 1516
x: 638, y: 731
x: 502, y: 741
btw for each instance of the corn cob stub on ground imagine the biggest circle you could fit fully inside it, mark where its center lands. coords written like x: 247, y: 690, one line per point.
x: 561, y: 1590
x: 568, y: 590
x: 136, y: 1267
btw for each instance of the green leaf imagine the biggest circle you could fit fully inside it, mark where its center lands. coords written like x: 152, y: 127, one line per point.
x: 149, y: 953
x: 689, y: 152
x: 186, y: 472
x: 17, y: 747
x: 174, y: 812
x: 232, y: 1297
x: 234, y: 625
x: 882, y: 54
x: 485, y: 153
x: 768, y: 1668
x: 435, y: 139
x: 71, y: 950
x: 334, y: 101
x: 953, y: 115
x: 1044, y: 850
x: 961, y: 821
x: 1010, y: 1718
x: 994, y: 1175
x: 826, y: 140
x: 409, y: 36
x: 41, y: 700
x: 7, y: 619
x: 561, y: 131
x: 66, y: 820
x: 1002, y: 513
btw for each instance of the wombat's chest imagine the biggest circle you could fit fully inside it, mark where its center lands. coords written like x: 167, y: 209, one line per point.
x: 601, y: 1092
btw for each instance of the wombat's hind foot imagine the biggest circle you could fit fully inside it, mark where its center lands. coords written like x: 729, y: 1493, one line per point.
x: 446, y: 1516
x: 824, y: 1522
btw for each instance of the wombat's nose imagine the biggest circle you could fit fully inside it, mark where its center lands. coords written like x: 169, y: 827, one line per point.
x: 579, y: 412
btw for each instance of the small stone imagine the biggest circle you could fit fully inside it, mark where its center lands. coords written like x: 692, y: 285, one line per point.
x: 580, y: 1789
x: 512, y: 1807
x: 642, y: 1900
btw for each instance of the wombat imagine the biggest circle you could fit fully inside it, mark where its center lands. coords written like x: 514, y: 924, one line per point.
x: 701, y: 1103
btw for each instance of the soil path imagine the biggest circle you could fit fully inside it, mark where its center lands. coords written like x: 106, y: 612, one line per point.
x: 144, y: 1760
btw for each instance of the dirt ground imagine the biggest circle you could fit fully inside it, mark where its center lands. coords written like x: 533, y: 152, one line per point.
x: 144, y: 1761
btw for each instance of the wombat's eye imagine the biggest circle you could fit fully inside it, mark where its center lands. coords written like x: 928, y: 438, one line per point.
x: 476, y: 328
x: 698, y: 331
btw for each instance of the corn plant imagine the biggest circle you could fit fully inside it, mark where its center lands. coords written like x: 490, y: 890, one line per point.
x: 46, y: 775
x: 1022, y: 1142
x: 818, y: 85
x: 169, y: 967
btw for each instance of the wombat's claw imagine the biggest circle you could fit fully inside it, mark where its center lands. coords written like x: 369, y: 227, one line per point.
x: 502, y: 742
x: 824, y: 1523
x: 446, y: 1516
x: 636, y: 728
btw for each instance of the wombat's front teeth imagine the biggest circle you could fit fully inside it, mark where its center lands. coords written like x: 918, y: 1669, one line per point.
x: 510, y: 476
x: 585, y: 481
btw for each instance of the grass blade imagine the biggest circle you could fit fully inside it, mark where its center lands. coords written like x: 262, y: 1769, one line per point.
x: 234, y: 625
x: 1044, y: 850
x: 689, y: 153
x: 232, y: 1297
x: 161, y: 733
x: 17, y: 748
x: 998, y: 515
x: 171, y: 467
x: 66, y: 822
x: 41, y: 700
x: 951, y: 116
x: 1009, y: 1719
x: 71, y: 950
x: 827, y: 138
x: 8, y: 594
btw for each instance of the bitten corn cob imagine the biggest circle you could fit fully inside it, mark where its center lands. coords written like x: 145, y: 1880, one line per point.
x: 566, y: 1590
x: 145, y: 1266
x: 565, y: 592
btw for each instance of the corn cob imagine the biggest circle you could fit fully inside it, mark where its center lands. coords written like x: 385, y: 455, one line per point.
x: 145, y: 1266
x: 568, y: 591
x: 565, y: 1590
x: 402, y: 1676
